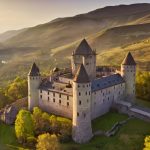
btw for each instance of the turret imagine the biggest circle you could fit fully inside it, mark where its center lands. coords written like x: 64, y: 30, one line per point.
x: 34, y: 80
x: 81, y: 129
x: 86, y: 56
x: 128, y: 72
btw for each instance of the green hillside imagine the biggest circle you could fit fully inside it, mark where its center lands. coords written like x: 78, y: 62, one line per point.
x: 108, y: 30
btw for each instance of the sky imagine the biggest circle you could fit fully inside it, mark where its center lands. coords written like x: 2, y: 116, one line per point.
x: 18, y: 14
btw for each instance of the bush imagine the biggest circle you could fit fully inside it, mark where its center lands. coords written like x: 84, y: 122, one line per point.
x: 47, y: 142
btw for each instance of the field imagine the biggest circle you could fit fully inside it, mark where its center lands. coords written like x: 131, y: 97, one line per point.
x: 129, y: 137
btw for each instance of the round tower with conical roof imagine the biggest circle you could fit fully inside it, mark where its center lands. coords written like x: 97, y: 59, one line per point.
x: 86, y: 56
x: 81, y: 129
x: 128, y: 72
x: 34, y: 80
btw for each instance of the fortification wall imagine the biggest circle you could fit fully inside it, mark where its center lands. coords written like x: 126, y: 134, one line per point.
x: 102, y: 100
x: 133, y: 110
x: 56, y: 103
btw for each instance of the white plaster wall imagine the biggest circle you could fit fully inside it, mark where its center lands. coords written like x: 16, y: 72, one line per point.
x: 102, y: 99
x: 33, y: 96
x: 82, y: 130
x: 89, y: 63
x: 57, y: 108
x: 129, y: 75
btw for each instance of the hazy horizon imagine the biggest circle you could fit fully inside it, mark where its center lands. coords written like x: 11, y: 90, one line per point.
x: 18, y: 14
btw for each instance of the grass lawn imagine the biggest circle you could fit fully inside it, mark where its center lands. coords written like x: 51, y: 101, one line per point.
x: 129, y: 137
x: 143, y: 103
x: 8, y: 139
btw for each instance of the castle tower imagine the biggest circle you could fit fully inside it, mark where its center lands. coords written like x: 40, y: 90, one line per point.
x: 81, y: 129
x: 86, y: 56
x: 34, y: 80
x: 128, y: 72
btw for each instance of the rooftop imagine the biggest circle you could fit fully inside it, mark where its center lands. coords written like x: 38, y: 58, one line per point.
x: 34, y: 70
x: 106, y: 82
x: 84, y: 49
x: 81, y: 75
x: 129, y: 60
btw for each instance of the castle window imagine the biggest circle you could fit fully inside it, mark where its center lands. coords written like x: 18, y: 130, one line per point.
x: 78, y: 86
x: 87, y: 100
x: 79, y: 94
x: 48, y: 93
x: 59, y: 95
x: 79, y: 102
x: 86, y: 93
x: 67, y: 97
x: 77, y: 114
x: 53, y: 94
x: 87, y: 85
x: 108, y: 98
x: 40, y: 91
x: 67, y: 103
x: 59, y: 101
x: 84, y: 115
x: 41, y: 96
x: 89, y: 93
x: 54, y: 100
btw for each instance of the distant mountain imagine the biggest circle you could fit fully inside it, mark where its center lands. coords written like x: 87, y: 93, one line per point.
x: 9, y: 34
x: 50, y: 44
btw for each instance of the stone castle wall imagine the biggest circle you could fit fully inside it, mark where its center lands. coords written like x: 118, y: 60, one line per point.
x: 56, y: 103
x: 102, y: 100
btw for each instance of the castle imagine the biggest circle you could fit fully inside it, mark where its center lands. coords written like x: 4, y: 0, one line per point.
x: 81, y: 93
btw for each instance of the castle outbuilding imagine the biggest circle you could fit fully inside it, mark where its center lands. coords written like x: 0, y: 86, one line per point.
x: 82, y: 93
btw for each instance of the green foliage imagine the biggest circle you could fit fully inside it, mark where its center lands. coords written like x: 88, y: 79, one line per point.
x: 24, y: 126
x: 41, y: 121
x: 16, y: 90
x: 3, y: 98
x: 47, y: 142
x: 143, y: 85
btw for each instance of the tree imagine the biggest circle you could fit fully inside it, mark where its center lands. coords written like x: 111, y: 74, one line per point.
x: 47, y: 142
x: 147, y: 143
x: 41, y: 121
x: 143, y: 85
x: 17, y: 89
x: 3, y: 98
x: 24, y: 126
x: 55, y: 124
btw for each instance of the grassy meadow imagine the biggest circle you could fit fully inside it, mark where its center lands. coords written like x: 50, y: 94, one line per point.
x: 129, y: 137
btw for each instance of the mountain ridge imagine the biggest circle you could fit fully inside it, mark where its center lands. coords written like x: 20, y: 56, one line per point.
x: 47, y: 43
